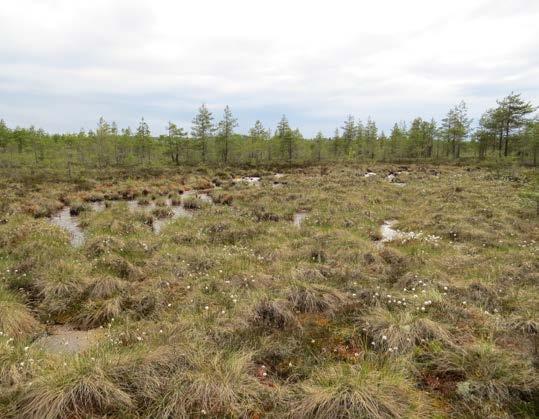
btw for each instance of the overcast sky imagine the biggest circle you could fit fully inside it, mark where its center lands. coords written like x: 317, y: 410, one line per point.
x: 63, y: 64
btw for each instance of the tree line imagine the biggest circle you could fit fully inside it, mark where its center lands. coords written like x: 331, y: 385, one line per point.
x: 507, y: 131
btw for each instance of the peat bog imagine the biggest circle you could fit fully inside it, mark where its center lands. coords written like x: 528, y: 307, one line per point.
x: 345, y: 291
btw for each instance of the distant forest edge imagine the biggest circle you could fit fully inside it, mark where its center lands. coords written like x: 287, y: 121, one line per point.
x: 508, y: 132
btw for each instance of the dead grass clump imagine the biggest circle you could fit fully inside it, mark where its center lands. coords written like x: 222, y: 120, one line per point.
x: 33, y: 244
x: 16, y: 321
x: 273, y: 314
x: 194, y: 203
x: 103, y: 244
x: 142, y: 306
x: 400, y: 331
x: 308, y: 273
x: 397, y: 263
x: 104, y: 287
x: 483, y: 296
x: 175, y: 200
x: 146, y: 374
x: 368, y: 258
x: 263, y: 215
x: 318, y: 255
x: 523, y: 324
x: 375, y: 235
x: 451, y: 312
x: 487, y: 378
x: 314, y: 298
x: 354, y: 391
x: 160, y: 202
x: 121, y: 267
x: 144, y: 200
x: 95, y: 313
x: 43, y: 208
x: 11, y: 373
x: 61, y: 287
x: 81, y: 388
x: 128, y: 194
x: 77, y: 208
x: 182, y: 237
x: 202, y: 184
x: 227, y: 232
x: 216, y: 385
x: 95, y: 197
x: 162, y: 212
x: 119, y: 221
x: 144, y: 218
x: 201, y: 259
x: 222, y: 198
x: 392, y: 257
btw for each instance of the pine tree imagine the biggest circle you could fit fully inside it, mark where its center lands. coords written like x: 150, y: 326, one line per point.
x: 455, y: 128
x: 286, y: 139
x: 317, y: 146
x: 175, y: 141
x: 335, y: 143
x: 203, y: 129
x: 382, y: 140
x: 258, y: 132
x: 348, y: 134
x: 143, y: 141
x: 257, y: 135
x: 226, y: 129
x: 421, y: 138
x: 371, y: 135
x: 102, y: 137
x: 359, y: 138
x: 511, y: 115
x: 4, y: 135
x: 489, y: 132
x: 282, y: 127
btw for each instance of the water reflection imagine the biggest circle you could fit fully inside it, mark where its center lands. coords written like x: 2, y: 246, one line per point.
x: 69, y: 223
x: 299, y: 217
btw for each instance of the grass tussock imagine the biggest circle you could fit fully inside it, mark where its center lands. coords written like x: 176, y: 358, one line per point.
x: 273, y: 314
x: 485, y: 379
x: 213, y: 385
x: 81, y: 388
x: 314, y: 298
x: 194, y: 202
x: 105, y: 287
x: 16, y: 320
x: 98, y: 312
x: 399, y: 331
x: 358, y: 391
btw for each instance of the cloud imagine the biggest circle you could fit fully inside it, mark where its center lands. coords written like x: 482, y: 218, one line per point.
x: 63, y: 63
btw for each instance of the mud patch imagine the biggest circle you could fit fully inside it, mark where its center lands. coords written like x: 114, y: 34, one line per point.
x: 64, y: 340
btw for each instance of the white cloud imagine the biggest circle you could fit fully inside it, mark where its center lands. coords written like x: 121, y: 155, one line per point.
x: 314, y: 60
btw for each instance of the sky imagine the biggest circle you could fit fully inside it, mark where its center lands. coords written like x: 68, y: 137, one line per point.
x: 65, y: 63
